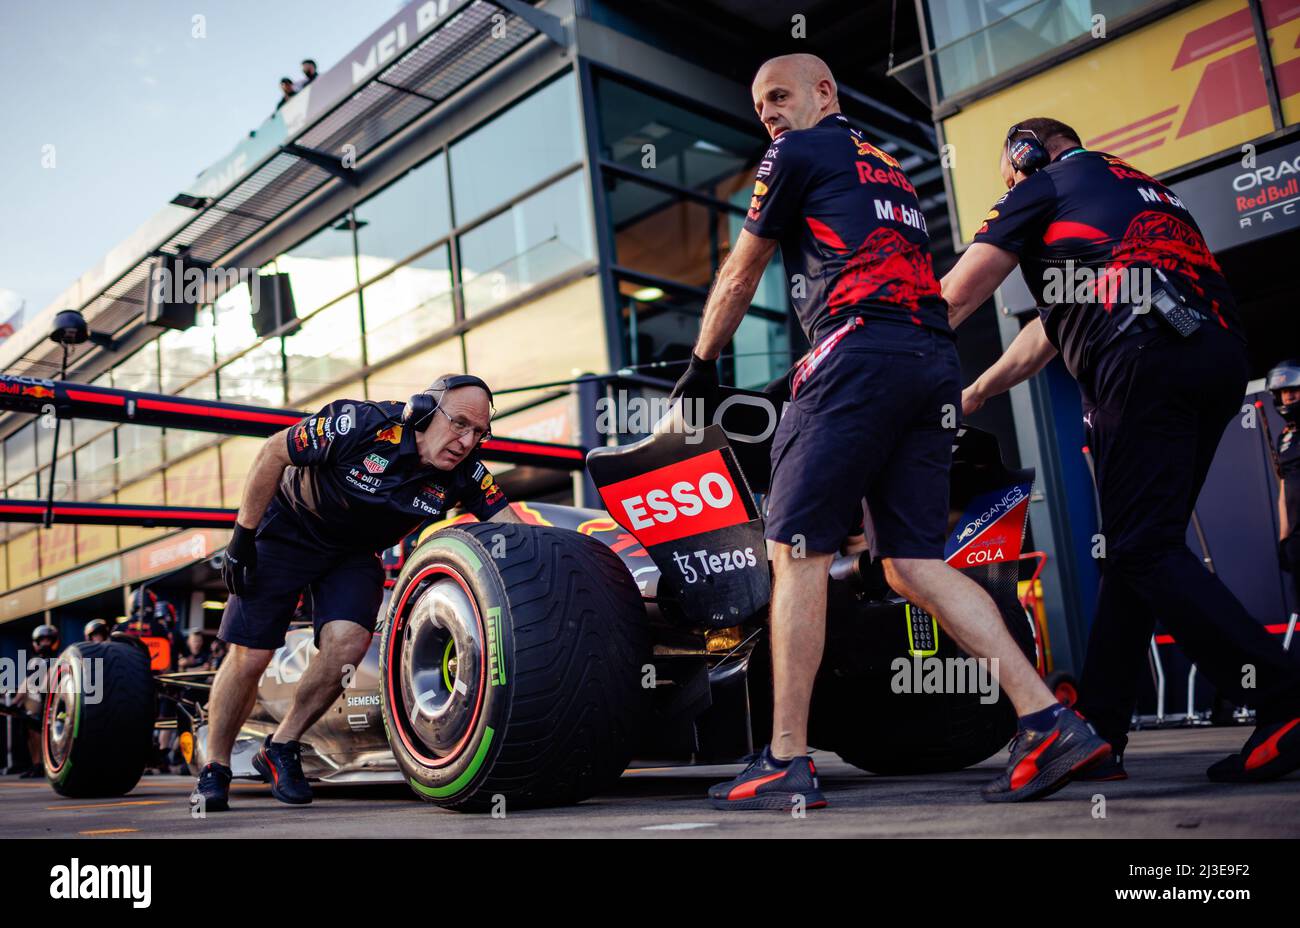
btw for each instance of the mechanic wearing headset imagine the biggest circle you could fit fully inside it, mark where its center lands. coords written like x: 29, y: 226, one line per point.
x: 1284, y: 383
x: 1162, y: 369
x: 323, y: 498
x: 867, y: 419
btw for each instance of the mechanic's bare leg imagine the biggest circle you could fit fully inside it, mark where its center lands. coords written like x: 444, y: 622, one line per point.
x: 798, y: 628
x: 342, y: 645
x: 234, y: 693
x: 970, y: 616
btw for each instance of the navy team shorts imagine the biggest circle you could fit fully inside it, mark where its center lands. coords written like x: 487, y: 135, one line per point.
x: 346, y: 586
x: 868, y: 420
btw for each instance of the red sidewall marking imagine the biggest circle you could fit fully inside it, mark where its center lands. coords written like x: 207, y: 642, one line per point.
x: 399, y: 618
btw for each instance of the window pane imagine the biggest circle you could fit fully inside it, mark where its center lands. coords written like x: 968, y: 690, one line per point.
x: 525, y: 144
x: 189, y: 352
x: 177, y: 442
x: 663, y: 234
x: 140, y: 371
x: 531, y: 242
x: 139, y: 450
x: 404, y: 217
x: 665, y: 328
x: 685, y: 148
x: 96, y: 469
x: 233, y: 321
x: 255, y: 377
x: 20, y: 454
x: 321, y: 268
x: 976, y: 40
x: 407, y: 305
x: 44, y: 452
x: 326, y: 350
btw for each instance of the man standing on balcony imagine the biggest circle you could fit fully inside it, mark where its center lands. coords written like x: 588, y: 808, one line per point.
x: 322, y: 499
x: 874, y: 410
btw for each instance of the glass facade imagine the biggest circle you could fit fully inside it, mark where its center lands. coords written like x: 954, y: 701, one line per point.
x: 516, y: 150
x: 977, y: 40
x: 678, y: 184
x: 482, y: 257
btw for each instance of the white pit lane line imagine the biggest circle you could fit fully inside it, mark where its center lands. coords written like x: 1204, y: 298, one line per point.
x: 679, y: 826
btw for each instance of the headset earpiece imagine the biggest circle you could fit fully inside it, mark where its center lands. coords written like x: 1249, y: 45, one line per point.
x: 1026, y: 155
x: 422, y: 405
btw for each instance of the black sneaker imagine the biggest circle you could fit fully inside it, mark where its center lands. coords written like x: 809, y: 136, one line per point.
x: 1044, y: 761
x: 212, y: 792
x: 771, y: 784
x: 281, y: 766
x: 1271, y: 752
x: 1109, y: 768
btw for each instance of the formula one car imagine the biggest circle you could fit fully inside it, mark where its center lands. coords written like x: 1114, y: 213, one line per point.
x: 535, y: 662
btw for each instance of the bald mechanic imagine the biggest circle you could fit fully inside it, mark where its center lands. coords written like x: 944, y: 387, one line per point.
x: 866, y: 419
x: 1161, y: 362
x: 323, y: 498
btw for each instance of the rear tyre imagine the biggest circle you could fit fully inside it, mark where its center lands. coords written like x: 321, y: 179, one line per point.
x: 100, y: 710
x: 858, y: 713
x: 511, y: 666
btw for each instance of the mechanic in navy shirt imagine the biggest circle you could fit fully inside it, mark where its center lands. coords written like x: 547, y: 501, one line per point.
x: 324, y: 497
x: 1099, y: 242
x: 1284, y: 383
x: 874, y: 412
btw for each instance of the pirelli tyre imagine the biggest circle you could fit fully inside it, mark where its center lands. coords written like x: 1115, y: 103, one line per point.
x: 885, y: 711
x: 97, y: 729
x: 511, y: 667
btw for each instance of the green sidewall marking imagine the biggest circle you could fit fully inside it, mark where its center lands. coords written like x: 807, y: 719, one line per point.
x: 461, y: 548
x: 446, y: 664
x: 458, y: 784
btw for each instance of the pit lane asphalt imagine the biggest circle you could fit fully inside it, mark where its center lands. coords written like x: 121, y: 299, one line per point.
x: 1167, y: 795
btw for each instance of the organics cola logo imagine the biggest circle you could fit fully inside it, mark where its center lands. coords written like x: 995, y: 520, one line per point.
x: 1003, y: 505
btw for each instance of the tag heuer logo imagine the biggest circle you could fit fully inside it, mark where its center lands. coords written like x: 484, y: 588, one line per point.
x: 375, y: 464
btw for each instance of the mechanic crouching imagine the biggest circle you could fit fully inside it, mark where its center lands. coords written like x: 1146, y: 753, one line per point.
x: 324, y: 497
x: 1146, y: 324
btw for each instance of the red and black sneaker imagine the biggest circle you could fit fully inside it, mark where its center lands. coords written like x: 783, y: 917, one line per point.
x: 1107, y: 769
x: 280, y: 764
x: 768, y: 783
x: 1272, y: 751
x: 1044, y: 761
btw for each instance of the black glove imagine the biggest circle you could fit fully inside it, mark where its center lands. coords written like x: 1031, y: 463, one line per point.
x: 699, y: 382
x: 1283, y: 556
x: 241, y: 560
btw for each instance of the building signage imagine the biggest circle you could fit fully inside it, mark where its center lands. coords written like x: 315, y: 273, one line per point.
x: 1237, y: 204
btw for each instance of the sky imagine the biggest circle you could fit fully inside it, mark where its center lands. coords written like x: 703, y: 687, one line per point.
x: 135, y: 105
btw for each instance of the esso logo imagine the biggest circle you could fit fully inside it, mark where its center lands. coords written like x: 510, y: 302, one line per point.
x: 682, y: 498
x: 688, y: 497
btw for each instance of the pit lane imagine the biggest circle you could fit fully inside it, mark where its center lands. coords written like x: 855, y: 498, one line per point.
x: 1167, y: 795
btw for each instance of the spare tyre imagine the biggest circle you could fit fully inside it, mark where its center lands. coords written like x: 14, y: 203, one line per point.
x: 100, y: 709
x: 511, y: 667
